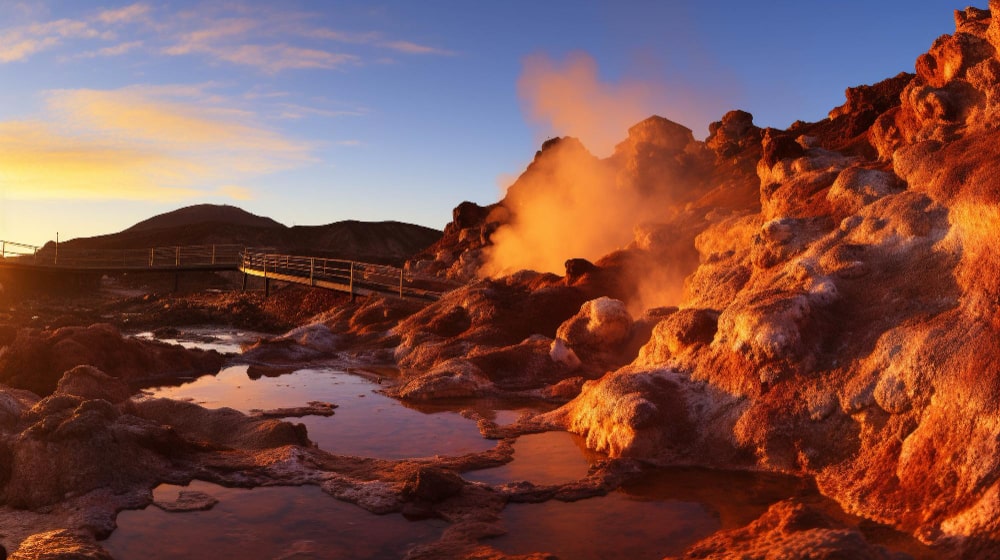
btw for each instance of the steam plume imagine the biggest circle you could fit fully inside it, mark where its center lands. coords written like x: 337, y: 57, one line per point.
x: 570, y: 100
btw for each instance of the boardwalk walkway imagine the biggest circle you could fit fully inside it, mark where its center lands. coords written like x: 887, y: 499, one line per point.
x: 353, y: 277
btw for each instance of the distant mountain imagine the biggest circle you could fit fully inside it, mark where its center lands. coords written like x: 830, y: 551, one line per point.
x: 205, y: 213
x: 210, y: 224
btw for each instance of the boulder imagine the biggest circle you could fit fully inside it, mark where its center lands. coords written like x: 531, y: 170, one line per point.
x: 789, y: 529
x: 88, y: 382
x: 37, y: 359
x: 59, y: 544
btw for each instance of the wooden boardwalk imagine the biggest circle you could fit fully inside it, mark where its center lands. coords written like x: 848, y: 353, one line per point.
x: 353, y: 277
x: 188, y: 258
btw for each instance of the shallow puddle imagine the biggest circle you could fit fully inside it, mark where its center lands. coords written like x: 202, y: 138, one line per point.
x: 614, y: 526
x: 366, y: 423
x: 658, y: 514
x: 275, y: 522
x: 225, y: 341
x: 542, y: 459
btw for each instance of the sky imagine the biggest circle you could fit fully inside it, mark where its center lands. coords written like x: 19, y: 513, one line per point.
x: 312, y: 112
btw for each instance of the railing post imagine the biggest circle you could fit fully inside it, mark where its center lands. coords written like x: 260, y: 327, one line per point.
x: 151, y: 257
x: 352, y: 281
x: 312, y: 271
x: 3, y: 249
x: 213, y: 254
x: 177, y: 256
x: 401, y: 283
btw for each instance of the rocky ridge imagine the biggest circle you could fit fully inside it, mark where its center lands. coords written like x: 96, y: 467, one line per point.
x: 838, y: 319
x: 840, y: 323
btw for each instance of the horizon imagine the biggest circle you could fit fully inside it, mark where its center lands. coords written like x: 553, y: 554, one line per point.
x: 320, y: 112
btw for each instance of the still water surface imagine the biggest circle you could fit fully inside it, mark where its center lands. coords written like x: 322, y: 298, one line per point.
x: 366, y: 423
x: 286, y: 522
x: 659, y: 514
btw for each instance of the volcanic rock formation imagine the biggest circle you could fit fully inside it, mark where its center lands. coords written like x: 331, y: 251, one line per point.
x: 839, y: 311
x: 822, y: 300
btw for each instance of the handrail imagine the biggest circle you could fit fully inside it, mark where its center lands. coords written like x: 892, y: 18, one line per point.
x: 5, y: 249
x: 354, y: 277
x: 152, y: 258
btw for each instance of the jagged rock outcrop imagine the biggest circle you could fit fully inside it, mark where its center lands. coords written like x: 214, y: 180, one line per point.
x: 37, y: 359
x: 59, y: 544
x: 790, y: 530
x: 846, y: 330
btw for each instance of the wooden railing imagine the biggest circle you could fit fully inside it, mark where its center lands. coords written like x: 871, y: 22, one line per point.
x: 13, y: 249
x: 125, y: 259
x: 356, y: 278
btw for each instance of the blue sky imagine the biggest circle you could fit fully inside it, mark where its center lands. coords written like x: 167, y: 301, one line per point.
x: 314, y: 112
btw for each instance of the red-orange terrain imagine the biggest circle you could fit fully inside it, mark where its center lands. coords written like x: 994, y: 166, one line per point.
x: 838, y: 314
x: 821, y: 301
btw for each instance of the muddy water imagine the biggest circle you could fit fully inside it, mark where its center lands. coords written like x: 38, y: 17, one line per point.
x: 366, y: 423
x: 287, y: 522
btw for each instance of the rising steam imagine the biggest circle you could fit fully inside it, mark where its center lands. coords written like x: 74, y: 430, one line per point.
x: 570, y: 100
x: 571, y: 204
x: 566, y: 205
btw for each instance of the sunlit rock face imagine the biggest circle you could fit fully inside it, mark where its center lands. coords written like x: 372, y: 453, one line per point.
x: 59, y: 543
x: 37, y: 359
x: 790, y: 530
x: 830, y: 296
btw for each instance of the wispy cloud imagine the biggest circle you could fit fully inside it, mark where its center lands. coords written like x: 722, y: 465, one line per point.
x: 14, y: 47
x: 376, y: 39
x: 229, y: 40
x: 275, y: 58
x: 21, y: 42
x: 208, y: 38
x: 414, y: 48
x: 295, y: 111
x: 241, y: 34
x: 115, y: 50
x: 127, y: 14
x: 133, y: 143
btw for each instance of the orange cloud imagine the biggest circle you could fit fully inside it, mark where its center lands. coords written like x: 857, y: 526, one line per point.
x: 133, y: 143
x: 39, y: 162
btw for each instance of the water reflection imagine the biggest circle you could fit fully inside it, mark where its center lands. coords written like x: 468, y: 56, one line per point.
x: 277, y: 522
x: 546, y: 458
x: 614, y: 526
x: 660, y: 513
x: 225, y: 341
x: 366, y: 422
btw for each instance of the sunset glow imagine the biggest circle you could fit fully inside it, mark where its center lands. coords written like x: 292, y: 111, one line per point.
x: 313, y: 113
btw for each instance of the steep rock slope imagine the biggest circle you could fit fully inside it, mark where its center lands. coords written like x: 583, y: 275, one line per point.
x: 840, y: 310
x: 858, y: 340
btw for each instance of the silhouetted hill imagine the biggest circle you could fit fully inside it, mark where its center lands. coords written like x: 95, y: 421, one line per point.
x: 209, y: 224
x: 204, y: 213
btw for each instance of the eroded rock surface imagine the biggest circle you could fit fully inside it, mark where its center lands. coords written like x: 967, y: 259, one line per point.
x: 37, y: 359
